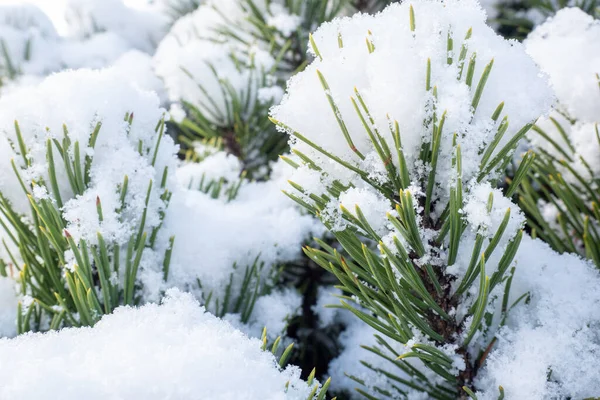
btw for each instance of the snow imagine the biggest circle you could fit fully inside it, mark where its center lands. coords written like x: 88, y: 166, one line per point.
x: 175, y: 350
x: 487, y: 223
x: 213, y: 234
x: 372, y: 205
x: 567, y: 48
x: 281, y: 20
x: 549, y: 343
x: 214, y: 166
x: 24, y: 17
x: 194, y: 68
x: 79, y: 100
x: 326, y: 315
x: 556, y: 331
x: 96, y: 35
x: 402, y: 54
x: 353, y: 339
x: 140, y: 28
x: 8, y: 307
x: 137, y: 66
x: 23, y: 26
x: 272, y: 311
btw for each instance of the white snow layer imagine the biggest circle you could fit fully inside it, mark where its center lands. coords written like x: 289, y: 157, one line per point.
x: 194, y: 67
x: 139, y: 28
x: 567, y: 48
x: 402, y: 54
x: 172, y: 351
x: 391, y: 80
x: 101, y: 32
x: 212, y: 235
x: 8, y: 307
x: 555, y: 332
x: 78, y: 101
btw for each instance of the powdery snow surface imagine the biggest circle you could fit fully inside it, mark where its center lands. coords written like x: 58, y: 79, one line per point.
x: 213, y: 236
x: 98, y: 33
x: 272, y: 311
x: 556, y: 334
x: 193, y: 60
x: 26, y: 17
x: 79, y: 100
x: 22, y: 26
x: 567, y: 47
x: 175, y: 351
x: 514, y: 80
x: 140, y: 28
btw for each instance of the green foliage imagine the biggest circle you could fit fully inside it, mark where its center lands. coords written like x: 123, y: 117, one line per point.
x: 215, y: 187
x: 242, y: 128
x: 517, y: 18
x: 406, y: 288
x: 290, y: 50
x: 576, y: 199
x: 318, y: 392
x: 371, y: 6
x: 9, y: 70
x: 241, y: 298
x: 63, y: 294
x: 176, y: 9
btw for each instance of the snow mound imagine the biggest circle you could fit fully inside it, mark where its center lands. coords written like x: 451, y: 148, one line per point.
x: 175, y: 350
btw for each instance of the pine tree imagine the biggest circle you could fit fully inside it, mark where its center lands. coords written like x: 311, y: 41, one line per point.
x: 401, y: 203
x: 562, y: 192
x: 73, y: 267
x: 253, y: 50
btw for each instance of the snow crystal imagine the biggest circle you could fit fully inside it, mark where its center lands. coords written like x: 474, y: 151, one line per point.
x: 326, y: 296
x: 487, y: 223
x: 175, y: 350
x: 215, y: 166
x: 177, y: 113
x: 587, y: 145
x: 271, y: 94
x: 373, y: 205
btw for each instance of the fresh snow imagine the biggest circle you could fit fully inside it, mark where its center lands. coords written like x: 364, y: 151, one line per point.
x: 175, y: 350
x: 82, y: 62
